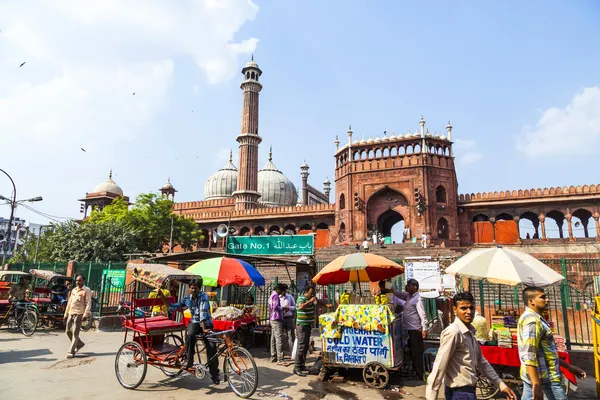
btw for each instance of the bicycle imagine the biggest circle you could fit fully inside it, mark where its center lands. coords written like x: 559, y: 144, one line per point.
x: 21, y: 315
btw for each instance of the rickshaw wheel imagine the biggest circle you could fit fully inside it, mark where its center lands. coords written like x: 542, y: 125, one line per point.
x: 376, y: 375
x: 174, y: 340
x: 484, y: 389
x: 131, y: 365
x: 29, y: 323
x: 240, y: 372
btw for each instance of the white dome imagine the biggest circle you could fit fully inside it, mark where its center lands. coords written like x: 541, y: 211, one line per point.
x: 392, y: 137
x: 275, y: 189
x: 222, y: 183
x: 108, y: 186
x: 370, y: 140
x: 168, y: 185
x: 385, y: 139
x: 400, y: 136
x: 443, y: 137
x: 363, y: 141
x: 356, y: 142
x: 377, y: 139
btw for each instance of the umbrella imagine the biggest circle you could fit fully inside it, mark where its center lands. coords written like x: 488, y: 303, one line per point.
x: 505, y: 266
x: 358, y: 267
x: 223, y: 271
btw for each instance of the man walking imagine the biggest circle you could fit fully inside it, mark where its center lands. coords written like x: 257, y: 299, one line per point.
x: 414, y: 322
x: 540, y: 364
x: 305, y: 312
x: 459, y: 357
x: 78, y: 310
x: 276, y: 321
x: 288, y: 306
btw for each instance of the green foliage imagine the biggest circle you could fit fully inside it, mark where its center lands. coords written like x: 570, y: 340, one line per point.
x: 151, y: 216
x: 86, y: 242
x: 114, y: 231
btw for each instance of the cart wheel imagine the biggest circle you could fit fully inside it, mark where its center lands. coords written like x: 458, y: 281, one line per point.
x: 484, y: 389
x: 174, y: 340
x: 87, y: 324
x: 29, y: 323
x: 240, y: 372
x: 376, y: 375
x: 131, y: 365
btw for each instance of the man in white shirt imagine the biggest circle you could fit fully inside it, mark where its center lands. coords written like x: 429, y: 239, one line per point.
x: 424, y: 240
x: 78, y: 310
x: 415, y: 323
x: 288, y: 306
x: 365, y: 246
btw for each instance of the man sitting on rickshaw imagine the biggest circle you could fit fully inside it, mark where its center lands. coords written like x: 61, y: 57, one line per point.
x: 18, y: 291
x: 159, y: 310
x: 198, y: 304
x: 59, y: 292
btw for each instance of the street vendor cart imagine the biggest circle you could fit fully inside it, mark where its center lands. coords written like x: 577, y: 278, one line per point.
x: 365, y: 336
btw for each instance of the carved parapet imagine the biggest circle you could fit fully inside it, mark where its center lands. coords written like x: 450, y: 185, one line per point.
x: 531, y: 193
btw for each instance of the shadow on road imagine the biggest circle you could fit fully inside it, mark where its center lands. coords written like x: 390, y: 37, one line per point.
x: 15, y: 356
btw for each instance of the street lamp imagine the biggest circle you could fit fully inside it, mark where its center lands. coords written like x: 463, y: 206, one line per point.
x: 13, y: 204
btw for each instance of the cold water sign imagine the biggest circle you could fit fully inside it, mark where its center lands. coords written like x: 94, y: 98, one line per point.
x: 360, y: 347
x: 271, y: 245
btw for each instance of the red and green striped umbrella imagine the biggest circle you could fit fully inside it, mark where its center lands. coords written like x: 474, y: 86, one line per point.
x: 358, y: 267
x: 223, y: 271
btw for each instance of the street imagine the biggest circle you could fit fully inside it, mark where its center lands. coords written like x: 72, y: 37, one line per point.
x: 36, y: 366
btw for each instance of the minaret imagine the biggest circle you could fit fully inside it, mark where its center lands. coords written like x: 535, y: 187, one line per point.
x: 304, y: 174
x: 246, y: 195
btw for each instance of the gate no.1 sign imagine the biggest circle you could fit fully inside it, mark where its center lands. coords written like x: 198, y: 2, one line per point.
x: 271, y: 245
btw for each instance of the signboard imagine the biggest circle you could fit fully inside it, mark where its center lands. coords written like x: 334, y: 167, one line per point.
x: 359, y: 347
x: 427, y: 273
x: 116, y: 277
x: 276, y: 245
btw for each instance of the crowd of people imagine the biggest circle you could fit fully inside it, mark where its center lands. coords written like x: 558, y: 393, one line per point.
x: 458, y: 363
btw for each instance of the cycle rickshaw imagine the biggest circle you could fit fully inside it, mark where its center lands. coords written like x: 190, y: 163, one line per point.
x: 158, y: 341
x: 17, y: 315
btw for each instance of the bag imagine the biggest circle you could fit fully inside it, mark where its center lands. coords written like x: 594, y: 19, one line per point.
x: 295, y: 349
x: 316, y: 367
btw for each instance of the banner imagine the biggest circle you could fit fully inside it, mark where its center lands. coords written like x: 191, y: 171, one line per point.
x: 426, y: 273
x: 116, y: 277
x: 277, y: 245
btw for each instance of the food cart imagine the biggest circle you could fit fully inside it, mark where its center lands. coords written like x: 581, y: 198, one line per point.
x: 365, y: 336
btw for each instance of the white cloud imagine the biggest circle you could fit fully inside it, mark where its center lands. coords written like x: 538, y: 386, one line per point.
x: 84, y: 60
x: 559, y: 130
x: 463, y: 144
x: 470, y: 158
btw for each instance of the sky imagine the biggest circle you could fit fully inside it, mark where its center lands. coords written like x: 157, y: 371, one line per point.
x: 518, y: 80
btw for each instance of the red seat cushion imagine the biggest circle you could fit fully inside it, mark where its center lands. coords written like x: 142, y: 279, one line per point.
x: 40, y: 300
x: 4, y: 302
x: 154, y: 325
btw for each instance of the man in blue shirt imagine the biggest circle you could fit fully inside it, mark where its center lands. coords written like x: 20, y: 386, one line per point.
x: 198, y: 304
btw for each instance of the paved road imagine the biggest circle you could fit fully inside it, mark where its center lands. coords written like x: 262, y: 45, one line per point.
x: 36, y: 367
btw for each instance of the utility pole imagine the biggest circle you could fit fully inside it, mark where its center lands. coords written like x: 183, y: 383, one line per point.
x: 171, y: 237
x: 37, y: 245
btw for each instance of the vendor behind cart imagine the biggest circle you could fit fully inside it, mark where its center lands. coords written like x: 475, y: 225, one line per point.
x: 415, y: 323
x: 198, y: 304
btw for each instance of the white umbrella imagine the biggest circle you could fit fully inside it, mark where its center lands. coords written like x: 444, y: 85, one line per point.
x: 505, y: 266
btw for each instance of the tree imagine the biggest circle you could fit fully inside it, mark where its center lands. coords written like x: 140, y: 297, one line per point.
x: 152, y: 217
x: 85, y: 242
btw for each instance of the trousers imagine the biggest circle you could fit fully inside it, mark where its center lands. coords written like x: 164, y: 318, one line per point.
x: 462, y: 393
x: 194, y: 329
x: 552, y: 391
x: 289, y: 330
x: 72, y: 330
x: 304, y: 332
x: 417, y: 348
x: 277, y: 340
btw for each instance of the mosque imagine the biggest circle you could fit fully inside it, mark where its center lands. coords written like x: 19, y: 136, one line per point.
x: 406, y: 178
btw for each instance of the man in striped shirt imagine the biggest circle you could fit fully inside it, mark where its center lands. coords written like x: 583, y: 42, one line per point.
x: 540, y: 363
x: 305, y: 316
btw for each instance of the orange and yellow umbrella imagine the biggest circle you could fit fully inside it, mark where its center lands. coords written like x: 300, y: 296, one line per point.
x: 358, y: 267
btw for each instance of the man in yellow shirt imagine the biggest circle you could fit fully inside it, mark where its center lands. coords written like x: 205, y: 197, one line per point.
x: 159, y: 310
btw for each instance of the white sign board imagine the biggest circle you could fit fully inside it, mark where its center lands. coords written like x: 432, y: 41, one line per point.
x: 426, y: 273
x: 359, y: 347
x: 449, y: 282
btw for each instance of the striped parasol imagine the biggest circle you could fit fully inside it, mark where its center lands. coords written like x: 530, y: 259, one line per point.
x: 358, y: 267
x: 223, y: 271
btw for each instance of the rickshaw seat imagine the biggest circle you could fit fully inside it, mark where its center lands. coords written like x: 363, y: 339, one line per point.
x: 4, y: 302
x: 150, y: 326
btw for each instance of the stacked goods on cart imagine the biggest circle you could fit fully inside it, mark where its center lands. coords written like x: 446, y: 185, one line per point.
x: 561, y: 344
x: 504, y: 338
x: 227, y: 314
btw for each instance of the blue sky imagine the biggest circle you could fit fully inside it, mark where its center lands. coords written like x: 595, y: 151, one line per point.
x: 518, y: 80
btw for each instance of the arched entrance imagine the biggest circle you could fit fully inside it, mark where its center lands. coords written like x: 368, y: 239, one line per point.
x: 385, y: 210
x: 391, y: 224
x: 442, y: 228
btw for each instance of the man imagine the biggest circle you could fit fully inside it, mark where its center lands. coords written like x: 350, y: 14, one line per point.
x: 199, y: 306
x: 159, y: 310
x: 276, y: 321
x: 305, y: 316
x: 424, y: 240
x: 79, y: 309
x: 288, y: 306
x: 540, y: 364
x: 18, y: 291
x: 414, y: 322
x: 365, y: 246
x: 59, y: 292
x: 459, y: 357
